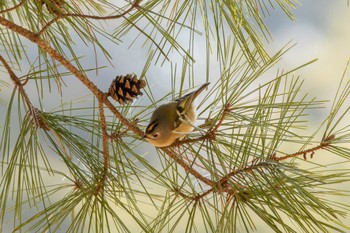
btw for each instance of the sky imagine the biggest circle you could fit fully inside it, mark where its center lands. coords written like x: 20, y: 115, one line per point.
x: 320, y: 31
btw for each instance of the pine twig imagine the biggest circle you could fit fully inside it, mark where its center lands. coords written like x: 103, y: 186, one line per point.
x: 187, y: 168
x: 105, y: 137
x: 227, y: 109
x: 14, y: 7
x: 61, y: 16
x: 324, y: 143
x: 33, y: 111
x: 16, y: 81
x: 222, y: 184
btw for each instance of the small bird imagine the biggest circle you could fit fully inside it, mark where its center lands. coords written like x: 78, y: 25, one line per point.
x: 173, y: 120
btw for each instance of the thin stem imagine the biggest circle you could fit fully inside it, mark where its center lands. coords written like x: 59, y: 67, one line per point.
x: 223, y: 185
x: 17, y: 83
x: 14, y: 7
x: 200, y: 196
x: 227, y: 109
x: 33, y: 111
x: 187, y: 168
x: 106, y: 159
x: 61, y: 16
x: 325, y: 143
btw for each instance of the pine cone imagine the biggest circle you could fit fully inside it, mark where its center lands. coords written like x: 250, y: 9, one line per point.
x: 125, y: 88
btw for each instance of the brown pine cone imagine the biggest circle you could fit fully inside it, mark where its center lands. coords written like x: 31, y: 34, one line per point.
x: 125, y: 88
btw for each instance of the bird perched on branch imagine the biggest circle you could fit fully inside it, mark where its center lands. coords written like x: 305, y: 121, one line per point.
x: 173, y: 120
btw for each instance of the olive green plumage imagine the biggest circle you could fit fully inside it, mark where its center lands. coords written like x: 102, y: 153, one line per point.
x: 173, y: 120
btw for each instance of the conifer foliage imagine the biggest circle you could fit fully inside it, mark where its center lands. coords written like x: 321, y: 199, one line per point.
x: 71, y: 164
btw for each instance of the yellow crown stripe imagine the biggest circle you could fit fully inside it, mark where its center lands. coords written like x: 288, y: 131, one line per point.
x: 151, y: 126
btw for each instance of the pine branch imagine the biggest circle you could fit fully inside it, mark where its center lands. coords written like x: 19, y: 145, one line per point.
x: 33, y: 111
x: 106, y: 159
x: 14, y: 7
x: 55, y: 55
x: 135, y: 5
x: 92, y: 87
x: 323, y: 145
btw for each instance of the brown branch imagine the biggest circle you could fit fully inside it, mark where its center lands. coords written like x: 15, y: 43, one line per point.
x: 106, y: 159
x: 303, y: 153
x: 61, y: 16
x: 187, y: 168
x: 195, y: 197
x: 16, y: 81
x: 223, y: 189
x: 181, y: 194
x: 256, y: 7
x: 14, y: 7
x: 223, y: 186
x: 33, y: 111
x: 227, y: 109
x: 325, y: 143
x: 200, y: 196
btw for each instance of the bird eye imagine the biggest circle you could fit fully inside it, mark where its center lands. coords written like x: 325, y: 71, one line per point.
x: 155, y: 135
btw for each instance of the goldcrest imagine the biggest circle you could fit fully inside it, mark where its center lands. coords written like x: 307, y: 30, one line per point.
x: 173, y: 120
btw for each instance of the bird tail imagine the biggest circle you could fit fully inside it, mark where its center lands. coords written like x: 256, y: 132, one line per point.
x: 186, y: 101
